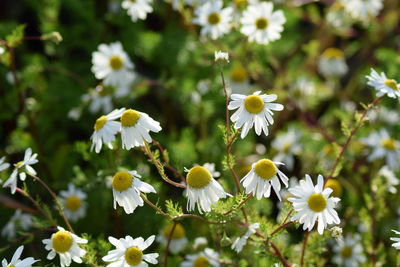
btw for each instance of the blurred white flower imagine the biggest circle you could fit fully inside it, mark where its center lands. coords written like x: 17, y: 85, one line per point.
x: 17, y: 262
x: 314, y: 203
x: 66, y: 245
x: 391, y: 180
x: 383, y: 114
x: 135, y: 128
x: 74, y: 202
x: 287, y: 144
x: 129, y: 252
x: 383, y: 147
x: 138, y: 9
x: 178, y: 239
x: 332, y: 62
x: 3, y: 165
x: 362, y: 10
x: 221, y: 57
x: 127, y: 187
x: 200, y: 242
x: 238, y: 80
x: 105, y: 130
x: 253, y: 110
x: 22, y: 168
x: 19, y: 221
x: 349, y: 252
x: 239, y: 243
x: 383, y: 85
x: 261, y: 24
x: 263, y: 176
x: 213, y: 19
x: 208, y: 257
x: 111, y: 63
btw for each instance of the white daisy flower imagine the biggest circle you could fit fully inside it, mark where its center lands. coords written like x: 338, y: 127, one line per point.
x: 287, y: 144
x: 239, y: 243
x: 178, y: 239
x: 17, y: 262
x: 383, y: 85
x: 98, y: 100
x: 202, y: 189
x: 211, y: 168
x: 19, y: 221
x: 396, y: 240
x: 66, y: 245
x: 253, y: 110
x: 22, y: 168
x: 208, y: 257
x: 3, y: 165
x: 135, y: 128
x: 263, y: 176
x: 127, y: 188
x: 129, y: 252
x: 105, y: 130
x: 2, y: 50
x: 313, y: 203
x: 111, y: 63
x: 261, y: 24
x: 74, y: 203
x: 220, y: 56
x: 214, y: 20
x: 384, y: 147
x: 362, y: 9
x: 238, y: 80
x: 332, y: 62
x: 137, y: 9
x: 391, y: 180
x: 349, y: 252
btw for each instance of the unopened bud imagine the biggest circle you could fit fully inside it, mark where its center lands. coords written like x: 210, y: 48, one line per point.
x: 53, y: 37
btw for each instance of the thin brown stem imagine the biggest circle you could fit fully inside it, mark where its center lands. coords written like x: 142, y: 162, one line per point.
x: 34, y: 202
x: 160, y: 168
x: 148, y: 202
x: 278, y: 253
x: 229, y: 141
x: 280, y: 227
x: 303, y: 250
x: 347, y: 142
x: 168, y: 242
x: 54, y: 196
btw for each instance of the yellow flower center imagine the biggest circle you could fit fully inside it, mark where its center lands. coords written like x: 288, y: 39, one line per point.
x: 179, y: 231
x: 201, y: 261
x: 129, y: 118
x: 254, y: 104
x: 62, y: 241
x: 10, y: 265
x: 106, y: 90
x: 238, y: 74
x: 265, y: 168
x: 18, y: 164
x: 392, y: 84
x: 133, y: 256
x: 317, y: 202
x: 198, y: 177
x: 389, y: 144
x: 333, y: 53
x: 122, y: 181
x: 261, y: 23
x: 335, y: 186
x: 214, y: 18
x: 100, y: 123
x: 73, y: 203
x: 240, y: 4
x: 347, y: 252
x: 286, y: 148
x: 116, y: 62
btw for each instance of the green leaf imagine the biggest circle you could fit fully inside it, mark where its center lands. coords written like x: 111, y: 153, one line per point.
x: 16, y: 36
